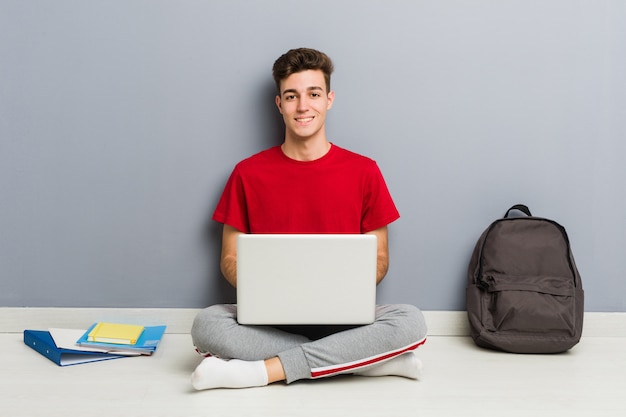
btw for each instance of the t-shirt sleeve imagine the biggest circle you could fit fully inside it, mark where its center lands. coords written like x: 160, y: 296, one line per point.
x: 379, y: 210
x: 232, y: 208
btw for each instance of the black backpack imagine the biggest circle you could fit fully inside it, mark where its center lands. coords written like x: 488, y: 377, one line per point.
x: 524, y: 293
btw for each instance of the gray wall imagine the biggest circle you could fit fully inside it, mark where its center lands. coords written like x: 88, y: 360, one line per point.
x: 121, y: 120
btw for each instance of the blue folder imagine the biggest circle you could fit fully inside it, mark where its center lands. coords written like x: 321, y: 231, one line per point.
x: 42, y: 342
x: 146, y: 344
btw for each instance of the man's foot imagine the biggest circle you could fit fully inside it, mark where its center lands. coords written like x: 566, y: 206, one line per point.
x: 218, y: 373
x: 407, y: 365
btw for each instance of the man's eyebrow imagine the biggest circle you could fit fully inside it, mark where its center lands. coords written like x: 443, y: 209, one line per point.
x: 293, y: 90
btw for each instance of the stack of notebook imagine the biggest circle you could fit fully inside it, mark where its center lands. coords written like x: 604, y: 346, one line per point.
x: 102, y: 341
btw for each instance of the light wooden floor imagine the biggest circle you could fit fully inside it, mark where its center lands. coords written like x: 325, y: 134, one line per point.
x: 459, y: 380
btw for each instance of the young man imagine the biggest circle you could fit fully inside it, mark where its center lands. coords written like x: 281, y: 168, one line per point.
x: 306, y: 185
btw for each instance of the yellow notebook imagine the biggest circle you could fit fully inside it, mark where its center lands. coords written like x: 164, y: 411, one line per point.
x: 124, y: 334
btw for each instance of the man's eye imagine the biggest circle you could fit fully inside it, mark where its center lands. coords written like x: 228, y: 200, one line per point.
x: 290, y: 97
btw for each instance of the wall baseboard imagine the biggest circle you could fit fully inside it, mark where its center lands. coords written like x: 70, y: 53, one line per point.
x: 179, y: 320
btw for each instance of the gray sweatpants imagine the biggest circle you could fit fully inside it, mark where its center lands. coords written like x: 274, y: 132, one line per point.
x: 398, y: 328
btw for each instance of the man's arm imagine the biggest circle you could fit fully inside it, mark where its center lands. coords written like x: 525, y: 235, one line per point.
x: 228, y: 261
x: 382, y: 263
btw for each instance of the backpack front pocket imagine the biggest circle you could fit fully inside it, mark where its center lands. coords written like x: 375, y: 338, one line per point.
x: 532, y: 305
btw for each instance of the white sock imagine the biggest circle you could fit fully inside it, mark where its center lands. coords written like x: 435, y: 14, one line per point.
x: 218, y: 373
x: 407, y: 365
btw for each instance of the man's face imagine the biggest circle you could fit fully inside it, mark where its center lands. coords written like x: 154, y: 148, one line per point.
x: 303, y: 102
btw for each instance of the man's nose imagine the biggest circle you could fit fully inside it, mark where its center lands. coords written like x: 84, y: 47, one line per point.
x: 303, y: 104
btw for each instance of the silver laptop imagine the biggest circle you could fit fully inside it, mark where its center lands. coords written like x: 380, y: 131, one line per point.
x: 306, y: 279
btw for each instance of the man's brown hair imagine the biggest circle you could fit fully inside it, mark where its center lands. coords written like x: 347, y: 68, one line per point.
x: 301, y: 59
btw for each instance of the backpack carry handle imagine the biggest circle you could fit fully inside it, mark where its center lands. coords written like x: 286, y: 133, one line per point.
x: 524, y: 209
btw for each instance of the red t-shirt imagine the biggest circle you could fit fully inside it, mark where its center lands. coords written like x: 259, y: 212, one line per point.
x: 341, y: 192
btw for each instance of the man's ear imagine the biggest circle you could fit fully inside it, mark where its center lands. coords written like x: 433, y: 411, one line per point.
x: 279, y: 104
x: 331, y: 99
